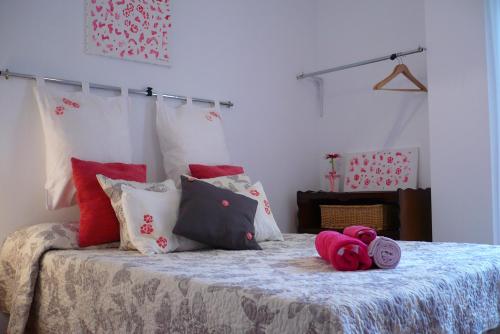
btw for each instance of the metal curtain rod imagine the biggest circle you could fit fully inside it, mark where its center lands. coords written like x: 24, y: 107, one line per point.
x: 361, y: 63
x: 147, y: 92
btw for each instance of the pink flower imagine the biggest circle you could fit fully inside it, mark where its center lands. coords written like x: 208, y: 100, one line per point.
x: 398, y: 171
x: 67, y: 101
x: 162, y: 242
x: 266, y: 203
x: 148, y: 219
x: 249, y: 236
x: 356, y: 177
x: 147, y: 228
x: 59, y: 110
x: 254, y: 192
x: 76, y: 105
x: 209, y: 118
x: 388, y: 182
x: 390, y: 160
x: 268, y: 210
x: 225, y: 203
x: 134, y: 28
x: 367, y: 182
x: 332, y: 156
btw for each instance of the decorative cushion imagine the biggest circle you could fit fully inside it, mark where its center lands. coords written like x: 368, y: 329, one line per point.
x: 189, y: 134
x: 98, y: 222
x: 150, y: 218
x: 78, y: 124
x: 215, y: 216
x: 208, y: 172
x: 113, y: 189
x: 234, y: 183
x: 265, y: 224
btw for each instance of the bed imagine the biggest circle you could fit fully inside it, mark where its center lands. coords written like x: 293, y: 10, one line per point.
x: 49, y: 286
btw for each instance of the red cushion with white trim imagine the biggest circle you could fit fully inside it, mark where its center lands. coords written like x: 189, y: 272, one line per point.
x: 98, y: 222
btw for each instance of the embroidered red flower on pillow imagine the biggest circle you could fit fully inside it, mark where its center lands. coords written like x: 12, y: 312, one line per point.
x: 162, y: 242
x: 59, y: 110
x: 147, y: 228
x: 267, y: 207
x: 254, y: 192
x: 148, y: 219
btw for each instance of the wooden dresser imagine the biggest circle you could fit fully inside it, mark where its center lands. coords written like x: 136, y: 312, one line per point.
x: 414, y: 218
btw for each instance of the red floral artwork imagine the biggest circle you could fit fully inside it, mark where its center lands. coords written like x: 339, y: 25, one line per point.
x: 162, y: 242
x: 129, y: 29
x: 147, y: 228
x: 148, y: 219
x: 388, y: 170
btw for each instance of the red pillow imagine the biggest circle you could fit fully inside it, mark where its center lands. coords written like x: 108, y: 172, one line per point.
x: 208, y: 172
x: 98, y: 223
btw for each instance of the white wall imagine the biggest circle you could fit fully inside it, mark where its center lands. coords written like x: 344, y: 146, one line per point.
x: 248, y: 52
x: 356, y: 117
x: 459, y: 121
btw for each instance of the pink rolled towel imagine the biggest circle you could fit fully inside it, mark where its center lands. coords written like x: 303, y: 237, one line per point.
x: 363, y: 233
x: 385, y: 252
x: 343, y: 252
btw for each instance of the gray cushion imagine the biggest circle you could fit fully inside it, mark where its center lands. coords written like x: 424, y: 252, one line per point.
x: 216, y: 217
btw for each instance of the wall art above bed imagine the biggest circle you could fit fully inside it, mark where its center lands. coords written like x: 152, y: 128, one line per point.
x: 129, y: 29
x: 385, y: 170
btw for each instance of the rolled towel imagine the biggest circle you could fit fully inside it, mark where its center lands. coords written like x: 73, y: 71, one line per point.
x: 363, y: 233
x: 385, y: 252
x: 343, y: 252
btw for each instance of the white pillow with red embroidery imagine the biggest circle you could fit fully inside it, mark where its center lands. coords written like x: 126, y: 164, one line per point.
x: 81, y: 125
x: 266, y: 228
x: 150, y: 217
x: 189, y: 134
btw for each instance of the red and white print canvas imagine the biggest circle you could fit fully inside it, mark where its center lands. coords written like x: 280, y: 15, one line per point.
x: 129, y: 29
x: 385, y: 170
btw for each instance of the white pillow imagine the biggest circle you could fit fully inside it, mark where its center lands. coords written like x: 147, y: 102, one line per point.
x: 264, y: 222
x: 113, y: 188
x: 81, y: 125
x: 189, y: 134
x: 151, y: 217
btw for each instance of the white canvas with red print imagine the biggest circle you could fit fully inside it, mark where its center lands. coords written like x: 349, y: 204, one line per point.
x: 129, y: 29
x: 385, y: 170
x: 150, y: 217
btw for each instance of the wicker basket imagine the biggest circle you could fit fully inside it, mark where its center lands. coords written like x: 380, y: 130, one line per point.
x: 377, y: 216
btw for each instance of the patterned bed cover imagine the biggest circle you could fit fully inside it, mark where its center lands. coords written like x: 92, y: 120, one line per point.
x: 49, y: 286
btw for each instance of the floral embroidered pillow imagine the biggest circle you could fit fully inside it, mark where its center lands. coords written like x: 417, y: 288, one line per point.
x: 113, y: 189
x: 150, y: 217
x: 235, y: 183
x: 264, y: 222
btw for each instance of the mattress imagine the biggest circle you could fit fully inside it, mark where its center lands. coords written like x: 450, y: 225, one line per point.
x: 285, y: 288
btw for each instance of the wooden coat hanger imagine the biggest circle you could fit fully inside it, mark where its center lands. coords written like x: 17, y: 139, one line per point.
x: 401, y: 69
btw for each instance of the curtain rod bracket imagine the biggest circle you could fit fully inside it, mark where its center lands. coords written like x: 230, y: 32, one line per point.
x: 149, y: 91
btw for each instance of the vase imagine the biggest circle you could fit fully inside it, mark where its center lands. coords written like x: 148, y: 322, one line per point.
x: 333, y: 181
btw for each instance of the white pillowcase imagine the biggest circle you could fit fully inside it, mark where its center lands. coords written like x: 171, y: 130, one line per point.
x: 151, y: 217
x: 266, y: 228
x: 189, y: 134
x: 81, y: 125
x: 113, y: 188
x: 264, y: 222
